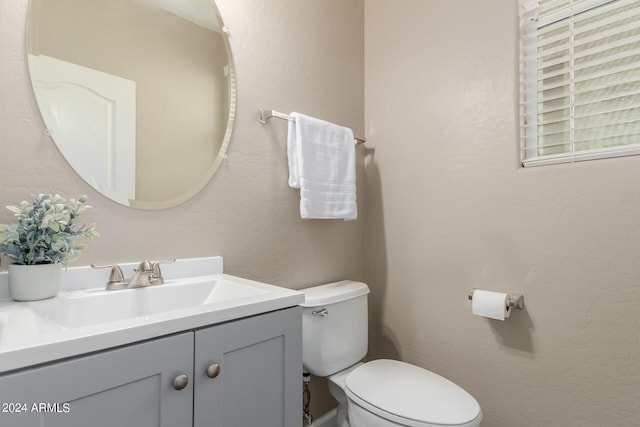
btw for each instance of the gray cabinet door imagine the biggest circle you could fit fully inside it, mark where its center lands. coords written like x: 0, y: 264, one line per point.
x: 260, y: 377
x: 126, y: 387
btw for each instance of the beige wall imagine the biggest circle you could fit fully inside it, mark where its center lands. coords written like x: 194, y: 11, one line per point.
x: 450, y: 209
x: 246, y: 213
x: 447, y: 206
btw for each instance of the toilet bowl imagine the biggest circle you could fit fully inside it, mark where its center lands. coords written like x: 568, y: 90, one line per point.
x: 337, y: 390
x: 378, y: 393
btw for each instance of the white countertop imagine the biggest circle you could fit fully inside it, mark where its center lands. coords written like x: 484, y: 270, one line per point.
x: 27, y: 338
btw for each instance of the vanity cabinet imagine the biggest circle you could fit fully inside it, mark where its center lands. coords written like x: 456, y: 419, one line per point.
x: 241, y: 373
x: 259, y: 382
x: 128, y: 386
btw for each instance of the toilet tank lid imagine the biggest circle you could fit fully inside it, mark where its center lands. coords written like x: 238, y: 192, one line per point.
x: 333, y: 292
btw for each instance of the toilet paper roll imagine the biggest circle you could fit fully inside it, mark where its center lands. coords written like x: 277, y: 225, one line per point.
x: 490, y: 304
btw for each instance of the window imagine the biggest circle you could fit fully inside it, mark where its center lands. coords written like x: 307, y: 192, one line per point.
x: 580, y: 80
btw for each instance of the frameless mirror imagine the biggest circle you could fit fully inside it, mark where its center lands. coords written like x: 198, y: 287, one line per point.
x: 138, y: 95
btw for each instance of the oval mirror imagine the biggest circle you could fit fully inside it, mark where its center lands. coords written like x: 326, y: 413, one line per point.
x: 138, y: 95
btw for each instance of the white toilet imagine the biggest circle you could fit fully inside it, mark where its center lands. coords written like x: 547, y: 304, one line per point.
x: 379, y: 393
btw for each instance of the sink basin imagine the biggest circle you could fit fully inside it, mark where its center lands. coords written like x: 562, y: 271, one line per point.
x: 85, y: 318
x: 95, y: 306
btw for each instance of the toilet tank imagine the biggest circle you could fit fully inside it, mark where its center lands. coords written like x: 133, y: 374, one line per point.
x: 334, y: 326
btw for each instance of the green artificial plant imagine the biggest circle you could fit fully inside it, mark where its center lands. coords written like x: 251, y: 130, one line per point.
x: 46, y: 231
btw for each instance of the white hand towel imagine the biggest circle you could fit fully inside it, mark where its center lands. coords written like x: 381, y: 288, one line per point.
x: 322, y: 164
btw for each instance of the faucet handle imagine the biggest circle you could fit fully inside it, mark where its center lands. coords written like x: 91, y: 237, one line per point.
x: 156, y: 276
x: 146, y: 267
x: 116, y: 278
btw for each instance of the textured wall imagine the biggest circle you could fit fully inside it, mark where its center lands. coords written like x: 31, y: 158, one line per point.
x: 247, y: 213
x: 450, y: 209
x: 447, y: 206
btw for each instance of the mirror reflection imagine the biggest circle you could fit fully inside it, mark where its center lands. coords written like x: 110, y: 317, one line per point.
x: 137, y: 94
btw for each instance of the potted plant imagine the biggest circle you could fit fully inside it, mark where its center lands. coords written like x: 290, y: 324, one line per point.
x: 43, y: 239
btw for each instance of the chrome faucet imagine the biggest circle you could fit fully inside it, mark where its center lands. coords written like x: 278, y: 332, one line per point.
x: 141, y: 276
x: 148, y: 273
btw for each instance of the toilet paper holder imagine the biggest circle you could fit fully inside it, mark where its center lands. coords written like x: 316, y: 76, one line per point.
x: 513, y: 300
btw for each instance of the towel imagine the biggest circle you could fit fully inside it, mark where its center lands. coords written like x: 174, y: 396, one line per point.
x: 322, y: 164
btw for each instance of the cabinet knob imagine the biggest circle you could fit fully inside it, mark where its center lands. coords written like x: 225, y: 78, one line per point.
x: 322, y: 312
x: 213, y: 370
x: 180, y: 382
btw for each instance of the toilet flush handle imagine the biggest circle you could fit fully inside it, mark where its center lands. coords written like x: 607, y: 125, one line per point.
x: 322, y: 312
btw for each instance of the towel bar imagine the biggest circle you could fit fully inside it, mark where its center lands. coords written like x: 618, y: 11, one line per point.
x: 267, y: 114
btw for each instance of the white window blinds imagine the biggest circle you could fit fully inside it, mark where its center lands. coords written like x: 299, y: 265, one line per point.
x: 580, y: 80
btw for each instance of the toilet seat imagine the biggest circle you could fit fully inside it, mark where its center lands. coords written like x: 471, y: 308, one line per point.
x: 411, y: 396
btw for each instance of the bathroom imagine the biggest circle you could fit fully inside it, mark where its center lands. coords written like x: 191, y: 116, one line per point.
x: 444, y: 203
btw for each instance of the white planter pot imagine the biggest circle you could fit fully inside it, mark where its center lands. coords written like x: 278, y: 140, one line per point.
x: 34, y: 282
